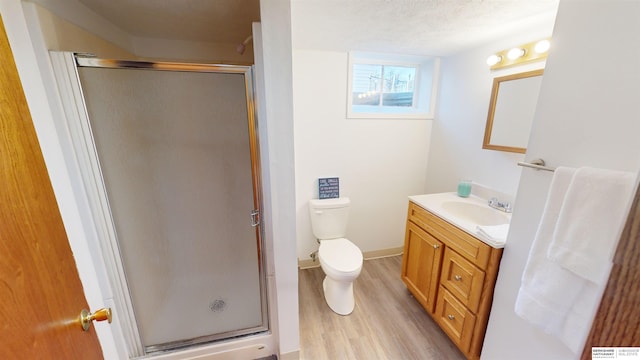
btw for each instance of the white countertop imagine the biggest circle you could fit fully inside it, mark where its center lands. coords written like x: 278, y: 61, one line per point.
x: 440, y: 205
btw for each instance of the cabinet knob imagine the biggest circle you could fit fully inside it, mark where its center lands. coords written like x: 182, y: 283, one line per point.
x: 451, y: 317
x: 436, y: 246
x: 457, y: 278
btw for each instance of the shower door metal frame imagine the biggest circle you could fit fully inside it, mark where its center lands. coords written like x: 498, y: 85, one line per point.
x: 76, y: 119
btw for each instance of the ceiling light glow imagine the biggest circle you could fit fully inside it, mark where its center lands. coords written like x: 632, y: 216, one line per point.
x: 542, y: 46
x: 515, y: 53
x: 493, y: 59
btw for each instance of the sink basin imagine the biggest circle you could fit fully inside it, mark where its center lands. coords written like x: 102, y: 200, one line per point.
x: 478, y: 214
x: 464, y: 213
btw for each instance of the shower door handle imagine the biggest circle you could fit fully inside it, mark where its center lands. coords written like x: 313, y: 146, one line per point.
x: 255, y: 218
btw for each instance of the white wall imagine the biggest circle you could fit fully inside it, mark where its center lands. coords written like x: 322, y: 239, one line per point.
x: 83, y: 23
x: 379, y: 161
x: 190, y: 51
x: 59, y: 34
x: 463, y: 102
x: 280, y: 172
x: 78, y: 14
x: 587, y: 115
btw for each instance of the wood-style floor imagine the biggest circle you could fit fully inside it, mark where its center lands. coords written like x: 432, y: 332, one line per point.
x: 387, y: 322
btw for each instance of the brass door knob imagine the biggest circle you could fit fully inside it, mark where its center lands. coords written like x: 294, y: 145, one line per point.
x: 101, y: 315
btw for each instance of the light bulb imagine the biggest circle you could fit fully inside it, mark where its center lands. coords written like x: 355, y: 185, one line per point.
x: 542, y: 46
x: 515, y: 53
x: 493, y: 59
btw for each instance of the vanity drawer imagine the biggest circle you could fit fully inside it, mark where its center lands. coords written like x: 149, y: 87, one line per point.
x: 455, y: 319
x: 471, y: 248
x: 462, y: 279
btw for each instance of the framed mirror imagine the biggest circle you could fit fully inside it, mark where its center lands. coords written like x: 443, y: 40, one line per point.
x: 513, y: 103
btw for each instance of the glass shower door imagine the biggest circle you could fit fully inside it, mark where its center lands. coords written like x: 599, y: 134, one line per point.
x: 177, y: 152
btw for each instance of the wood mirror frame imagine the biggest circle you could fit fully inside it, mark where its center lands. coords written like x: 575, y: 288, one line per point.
x: 527, y: 99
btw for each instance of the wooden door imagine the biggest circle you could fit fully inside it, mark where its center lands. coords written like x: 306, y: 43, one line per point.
x: 617, y: 321
x: 40, y: 292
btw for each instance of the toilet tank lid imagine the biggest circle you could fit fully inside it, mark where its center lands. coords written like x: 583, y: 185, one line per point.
x: 329, y: 203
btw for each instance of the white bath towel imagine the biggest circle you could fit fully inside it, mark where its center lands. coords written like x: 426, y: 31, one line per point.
x: 590, y: 220
x: 551, y: 297
x: 548, y: 292
x: 496, y: 233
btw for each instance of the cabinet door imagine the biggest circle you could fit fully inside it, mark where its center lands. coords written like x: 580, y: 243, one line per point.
x: 421, y: 265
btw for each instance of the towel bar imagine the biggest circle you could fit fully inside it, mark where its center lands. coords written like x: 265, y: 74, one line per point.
x: 537, y: 164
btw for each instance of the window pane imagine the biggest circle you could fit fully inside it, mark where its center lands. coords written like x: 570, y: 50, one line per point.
x: 391, y: 86
x: 399, y: 82
x: 367, y: 81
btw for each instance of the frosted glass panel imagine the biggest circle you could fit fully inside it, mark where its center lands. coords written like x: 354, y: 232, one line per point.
x: 175, y: 156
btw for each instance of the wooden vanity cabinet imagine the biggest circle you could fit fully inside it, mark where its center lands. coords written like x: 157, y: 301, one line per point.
x: 452, y: 274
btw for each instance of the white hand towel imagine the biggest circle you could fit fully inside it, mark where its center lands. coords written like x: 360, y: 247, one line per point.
x: 590, y: 221
x: 494, y: 232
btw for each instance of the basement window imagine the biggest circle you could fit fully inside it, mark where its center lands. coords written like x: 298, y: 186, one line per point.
x: 391, y: 86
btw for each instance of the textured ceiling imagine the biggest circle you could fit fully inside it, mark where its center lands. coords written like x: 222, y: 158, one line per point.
x: 431, y: 27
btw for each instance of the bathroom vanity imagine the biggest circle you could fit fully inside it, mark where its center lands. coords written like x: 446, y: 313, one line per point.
x: 449, y: 271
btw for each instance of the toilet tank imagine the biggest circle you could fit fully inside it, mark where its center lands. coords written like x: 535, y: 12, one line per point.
x: 329, y: 217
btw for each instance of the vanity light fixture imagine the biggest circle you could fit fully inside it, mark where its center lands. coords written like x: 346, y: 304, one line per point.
x: 493, y: 59
x: 542, y: 46
x: 515, y: 53
x: 533, y: 51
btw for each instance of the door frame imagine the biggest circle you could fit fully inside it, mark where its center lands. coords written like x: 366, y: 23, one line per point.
x: 76, y: 122
x: 38, y: 267
x: 89, y: 180
x: 42, y: 114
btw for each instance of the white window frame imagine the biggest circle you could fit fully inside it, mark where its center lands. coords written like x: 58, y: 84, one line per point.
x: 425, y: 88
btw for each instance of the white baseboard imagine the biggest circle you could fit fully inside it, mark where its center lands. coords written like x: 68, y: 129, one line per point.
x: 375, y: 254
x: 294, y: 355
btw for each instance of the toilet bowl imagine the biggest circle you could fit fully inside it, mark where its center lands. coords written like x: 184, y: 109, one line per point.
x: 341, y: 262
x: 340, y: 259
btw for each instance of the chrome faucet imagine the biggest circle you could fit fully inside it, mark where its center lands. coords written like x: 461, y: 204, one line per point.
x: 506, y: 207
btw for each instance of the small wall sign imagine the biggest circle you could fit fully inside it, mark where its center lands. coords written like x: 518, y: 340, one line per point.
x: 328, y: 188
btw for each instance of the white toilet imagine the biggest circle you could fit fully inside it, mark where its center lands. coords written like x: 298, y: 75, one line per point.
x: 340, y: 259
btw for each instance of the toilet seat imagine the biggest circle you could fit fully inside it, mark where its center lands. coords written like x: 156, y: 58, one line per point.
x: 340, y: 255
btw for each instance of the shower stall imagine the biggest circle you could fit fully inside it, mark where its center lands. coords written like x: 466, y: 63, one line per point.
x: 170, y: 167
